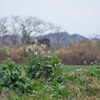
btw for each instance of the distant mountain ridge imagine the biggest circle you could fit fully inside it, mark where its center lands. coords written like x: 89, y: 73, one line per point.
x: 63, y: 37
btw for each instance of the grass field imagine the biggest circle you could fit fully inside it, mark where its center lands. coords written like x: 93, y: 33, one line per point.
x: 67, y: 68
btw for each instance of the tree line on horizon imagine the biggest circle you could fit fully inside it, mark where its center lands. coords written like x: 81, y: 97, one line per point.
x: 24, y: 28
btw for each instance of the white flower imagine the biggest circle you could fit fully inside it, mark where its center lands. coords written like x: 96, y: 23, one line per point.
x: 85, y: 62
x: 49, y: 56
x: 27, y: 50
x: 35, y: 53
x: 34, y: 45
x: 91, y: 63
x: 42, y: 45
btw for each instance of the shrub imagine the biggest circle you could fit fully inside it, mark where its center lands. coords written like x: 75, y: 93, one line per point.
x: 42, y: 64
x: 11, y: 78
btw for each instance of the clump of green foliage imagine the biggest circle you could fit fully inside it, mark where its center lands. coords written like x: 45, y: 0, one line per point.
x: 42, y: 64
x: 11, y: 78
x: 96, y: 72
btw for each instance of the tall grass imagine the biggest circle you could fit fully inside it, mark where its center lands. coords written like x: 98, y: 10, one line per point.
x: 74, y: 54
x: 80, y: 51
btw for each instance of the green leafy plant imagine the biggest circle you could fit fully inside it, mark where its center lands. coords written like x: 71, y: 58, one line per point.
x: 11, y: 78
x: 96, y: 72
x: 42, y: 64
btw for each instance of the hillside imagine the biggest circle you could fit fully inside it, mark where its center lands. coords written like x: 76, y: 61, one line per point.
x: 64, y: 38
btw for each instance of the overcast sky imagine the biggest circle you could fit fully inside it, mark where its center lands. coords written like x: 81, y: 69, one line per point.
x: 75, y: 16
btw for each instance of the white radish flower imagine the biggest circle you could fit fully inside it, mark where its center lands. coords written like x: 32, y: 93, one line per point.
x: 35, y: 53
x: 34, y: 45
x: 85, y: 62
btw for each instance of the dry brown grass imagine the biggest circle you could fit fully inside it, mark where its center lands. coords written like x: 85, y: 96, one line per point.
x: 14, y: 52
x: 80, y: 51
x: 76, y: 53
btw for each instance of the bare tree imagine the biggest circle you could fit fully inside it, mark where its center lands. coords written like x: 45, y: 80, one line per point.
x: 25, y: 28
x: 57, y: 31
x: 14, y: 31
x: 3, y: 29
x: 31, y: 26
